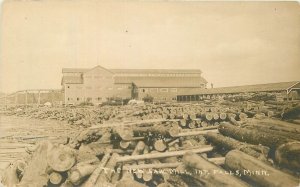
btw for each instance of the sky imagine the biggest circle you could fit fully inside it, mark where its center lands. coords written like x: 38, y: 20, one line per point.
x: 233, y: 43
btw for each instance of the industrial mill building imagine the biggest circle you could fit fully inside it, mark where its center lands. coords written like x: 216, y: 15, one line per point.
x: 99, y: 84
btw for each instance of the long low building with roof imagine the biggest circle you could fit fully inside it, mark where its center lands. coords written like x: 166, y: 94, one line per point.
x: 99, y: 84
x: 281, y: 90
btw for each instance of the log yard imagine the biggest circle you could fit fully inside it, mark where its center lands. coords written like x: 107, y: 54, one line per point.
x: 230, y: 136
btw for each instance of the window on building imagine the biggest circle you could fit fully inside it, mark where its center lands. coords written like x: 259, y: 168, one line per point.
x: 163, y: 90
x: 153, y: 89
x: 173, y: 90
x: 78, y: 98
x: 68, y: 86
x: 99, y: 98
x: 68, y: 99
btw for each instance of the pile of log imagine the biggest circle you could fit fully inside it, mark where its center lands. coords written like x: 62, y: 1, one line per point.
x: 165, y: 145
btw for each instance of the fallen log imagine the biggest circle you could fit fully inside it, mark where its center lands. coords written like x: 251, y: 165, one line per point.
x: 217, y: 161
x: 257, y: 171
x: 108, y: 171
x: 216, y: 176
x: 81, y: 171
x: 93, y: 178
x: 195, y: 132
x: 271, y: 130
x: 233, y: 121
x: 288, y: 155
x: 258, y: 151
x: 252, y: 136
x: 157, y: 129
x: 277, y: 125
x: 162, y: 155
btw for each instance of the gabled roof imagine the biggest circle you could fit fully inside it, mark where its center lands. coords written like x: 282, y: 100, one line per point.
x: 155, y: 71
x: 98, y: 67
x: 281, y: 86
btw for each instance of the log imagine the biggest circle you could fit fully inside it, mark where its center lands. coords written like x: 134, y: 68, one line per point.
x: 93, y: 178
x: 252, y: 136
x: 204, y: 124
x: 55, y: 178
x: 216, y: 176
x: 270, y: 130
x: 157, y: 129
x: 208, y: 116
x: 61, y: 158
x: 139, y: 148
x: 257, y: 171
x: 37, y: 165
x: 147, y: 176
x: 233, y: 121
x: 258, y: 151
x: 162, y: 155
x: 217, y: 161
x: 135, y: 123
x: 81, y: 171
x: 109, y: 170
x: 277, y: 125
x: 160, y: 145
x: 20, y: 164
x: 216, y: 116
x: 288, y: 155
x: 124, y: 144
x: 10, y: 177
x: 223, y: 116
x: 291, y: 113
x: 182, y: 123
x: 195, y: 132
x: 127, y: 182
x: 192, y: 124
x: 67, y: 183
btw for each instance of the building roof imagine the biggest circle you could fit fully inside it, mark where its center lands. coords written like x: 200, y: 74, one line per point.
x: 155, y: 71
x: 163, y: 82
x: 281, y: 86
x: 75, y: 70
x: 134, y: 71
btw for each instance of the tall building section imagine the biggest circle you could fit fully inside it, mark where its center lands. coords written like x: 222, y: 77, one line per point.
x: 98, y: 84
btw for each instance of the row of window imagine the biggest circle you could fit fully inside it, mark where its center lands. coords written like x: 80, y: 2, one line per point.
x: 161, y: 75
x: 82, y: 99
x: 97, y: 77
x: 145, y: 90
x: 99, y: 87
x: 165, y: 98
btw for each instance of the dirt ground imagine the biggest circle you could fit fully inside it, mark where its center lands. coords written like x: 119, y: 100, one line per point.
x: 17, y: 133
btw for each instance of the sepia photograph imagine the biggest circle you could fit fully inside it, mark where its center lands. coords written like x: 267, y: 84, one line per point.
x: 136, y: 93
